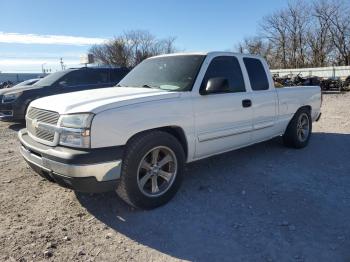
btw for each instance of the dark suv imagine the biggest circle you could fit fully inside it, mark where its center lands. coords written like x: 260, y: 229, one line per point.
x: 14, y: 101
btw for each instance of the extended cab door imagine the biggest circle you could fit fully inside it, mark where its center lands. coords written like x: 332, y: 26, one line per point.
x: 223, y: 120
x: 264, y: 99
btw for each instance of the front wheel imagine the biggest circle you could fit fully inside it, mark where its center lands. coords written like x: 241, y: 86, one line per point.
x: 299, y: 129
x: 152, y: 170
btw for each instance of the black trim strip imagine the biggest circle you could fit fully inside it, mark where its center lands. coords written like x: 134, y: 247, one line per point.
x: 81, y: 184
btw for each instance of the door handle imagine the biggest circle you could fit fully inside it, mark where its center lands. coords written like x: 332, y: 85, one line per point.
x: 246, y: 103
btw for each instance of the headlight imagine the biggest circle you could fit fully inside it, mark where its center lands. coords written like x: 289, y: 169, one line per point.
x: 75, y: 130
x: 10, y: 97
x: 75, y: 137
x: 77, y: 120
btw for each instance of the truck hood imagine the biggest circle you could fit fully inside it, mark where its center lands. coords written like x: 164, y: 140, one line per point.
x: 98, y: 100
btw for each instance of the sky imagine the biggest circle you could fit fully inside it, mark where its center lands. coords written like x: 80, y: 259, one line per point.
x: 36, y: 34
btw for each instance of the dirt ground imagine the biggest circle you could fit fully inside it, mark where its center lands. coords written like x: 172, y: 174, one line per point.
x: 262, y: 203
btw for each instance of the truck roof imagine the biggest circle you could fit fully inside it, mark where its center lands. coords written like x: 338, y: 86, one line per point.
x: 211, y: 53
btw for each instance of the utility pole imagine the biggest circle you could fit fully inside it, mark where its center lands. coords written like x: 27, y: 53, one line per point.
x: 62, y: 64
x: 42, y: 68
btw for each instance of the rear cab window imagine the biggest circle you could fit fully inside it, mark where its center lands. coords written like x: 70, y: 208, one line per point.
x: 256, y: 73
x: 225, y: 67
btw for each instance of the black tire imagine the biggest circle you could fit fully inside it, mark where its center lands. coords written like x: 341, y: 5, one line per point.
x: 291, y: 137
x: 137, y: 148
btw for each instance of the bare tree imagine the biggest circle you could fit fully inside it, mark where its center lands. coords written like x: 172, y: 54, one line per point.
x: 286, y: 31
x: 256, y: 46
x: 303, y: 35
x: 131, y: 48
x: 296, y: 20
x: 274, y: 30
x: 335, y: 15
x: 318, y: 38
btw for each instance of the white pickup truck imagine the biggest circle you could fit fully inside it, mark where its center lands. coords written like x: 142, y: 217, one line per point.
x: 136, y: 137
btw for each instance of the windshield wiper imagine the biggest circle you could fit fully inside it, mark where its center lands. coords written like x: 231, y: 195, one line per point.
x: 145, y: 86
x: 149, y: 86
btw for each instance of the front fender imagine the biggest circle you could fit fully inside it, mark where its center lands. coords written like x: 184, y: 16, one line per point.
x: 114, y: 127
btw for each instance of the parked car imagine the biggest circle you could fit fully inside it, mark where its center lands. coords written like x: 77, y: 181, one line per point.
x: 14, y: 101
x: 6, y: 84
x: 168, y: 111
x: 28, y: 82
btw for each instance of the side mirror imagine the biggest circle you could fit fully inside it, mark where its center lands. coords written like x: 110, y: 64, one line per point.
x: 62, y: 83
x: 216, y: 85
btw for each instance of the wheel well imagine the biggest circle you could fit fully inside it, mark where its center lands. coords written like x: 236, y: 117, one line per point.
x: 26, y: 108
x: 175, y: 131
x: 306, y: 107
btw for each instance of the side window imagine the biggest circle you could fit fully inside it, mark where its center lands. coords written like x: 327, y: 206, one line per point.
x: 226, y: 67
x: 257, y: 75
x: 73, y: 78
x: 97, y: 76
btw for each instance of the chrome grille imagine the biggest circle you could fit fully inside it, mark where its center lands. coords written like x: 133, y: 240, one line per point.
x: 43, y: 116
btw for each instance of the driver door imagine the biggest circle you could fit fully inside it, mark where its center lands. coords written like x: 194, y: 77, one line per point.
x: 223, y: 121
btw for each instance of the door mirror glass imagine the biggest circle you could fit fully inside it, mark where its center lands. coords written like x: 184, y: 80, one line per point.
x: 217, y: 85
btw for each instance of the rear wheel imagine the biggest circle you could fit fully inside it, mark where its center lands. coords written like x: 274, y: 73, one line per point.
x: 299, y: 129
x: 152, y: 170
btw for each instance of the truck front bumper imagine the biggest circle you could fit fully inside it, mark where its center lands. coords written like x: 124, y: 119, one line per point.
x: 85, y: 170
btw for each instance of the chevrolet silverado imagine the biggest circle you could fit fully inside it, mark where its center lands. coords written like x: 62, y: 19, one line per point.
x: 136, y: 137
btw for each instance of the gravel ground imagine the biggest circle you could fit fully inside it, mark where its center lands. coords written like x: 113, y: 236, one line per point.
x: 262, y: 203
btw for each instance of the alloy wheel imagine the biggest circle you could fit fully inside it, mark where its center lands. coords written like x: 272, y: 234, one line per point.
x: 303, y: 127
x: 157, y: 171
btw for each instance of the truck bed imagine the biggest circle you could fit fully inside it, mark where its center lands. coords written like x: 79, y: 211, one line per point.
x: 292, y: 97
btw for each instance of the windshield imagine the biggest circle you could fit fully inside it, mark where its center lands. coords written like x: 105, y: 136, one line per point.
x: 175, y: 73
x: 27, y: 82
x: 50, y: 79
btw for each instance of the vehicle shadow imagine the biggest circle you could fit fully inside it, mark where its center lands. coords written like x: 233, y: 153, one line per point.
x: 264, y: 202
x: 16, y: 126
